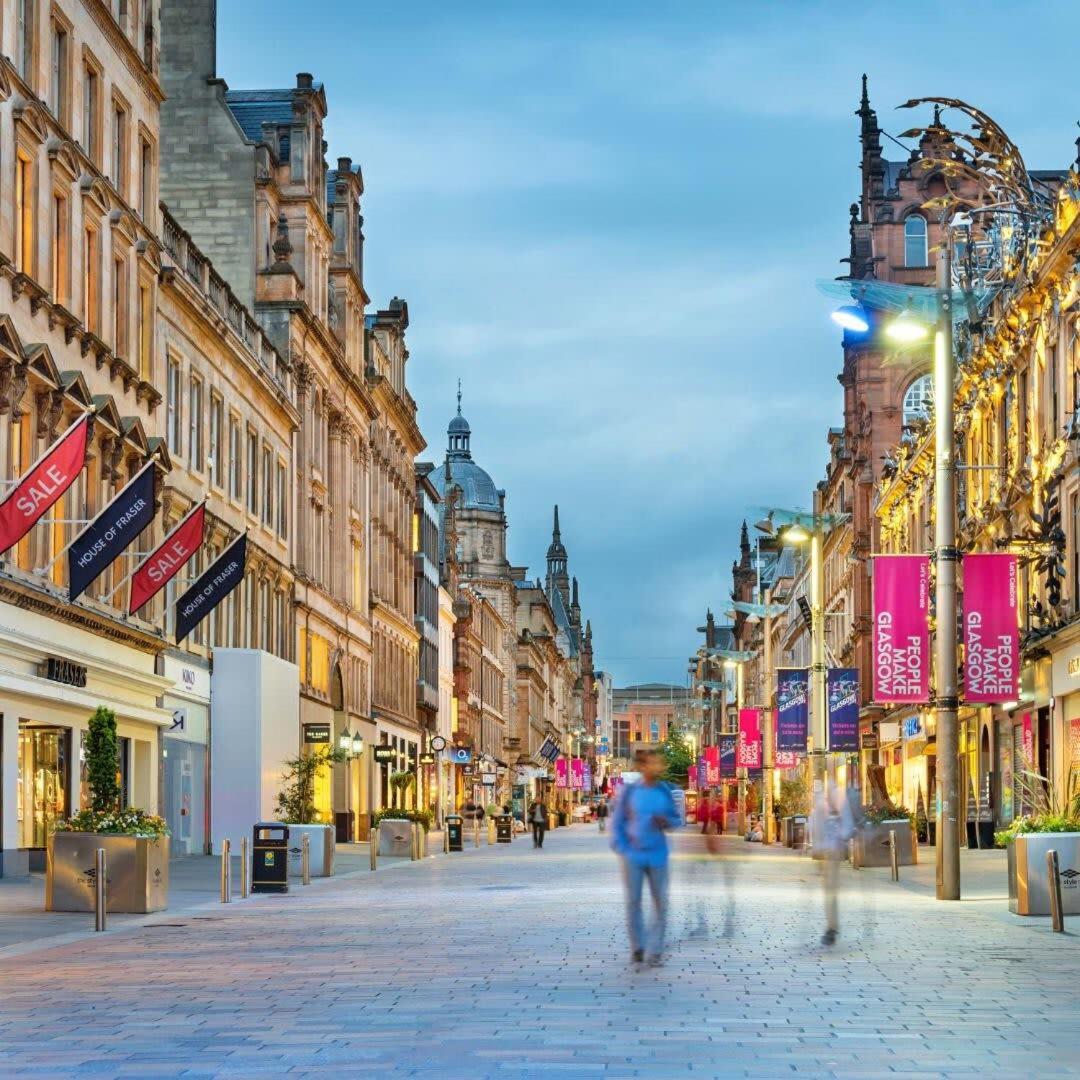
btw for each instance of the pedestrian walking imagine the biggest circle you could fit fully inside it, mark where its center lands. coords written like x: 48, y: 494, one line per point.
x: 602, y: 813
x: 831, y: 827
x: 538, y: 819
x: 643, y: 813
x: 704, y: 811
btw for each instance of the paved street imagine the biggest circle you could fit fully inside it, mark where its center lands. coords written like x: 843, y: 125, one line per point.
x: 505, y: 962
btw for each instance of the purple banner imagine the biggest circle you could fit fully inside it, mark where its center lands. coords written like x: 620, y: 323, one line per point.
x: 901, y: 630
x: 702, y: 772
x: 586, y: 772
x: 842, y: 689
x: 727, y: 757
x: 792, y: 709
x: 991, y: 629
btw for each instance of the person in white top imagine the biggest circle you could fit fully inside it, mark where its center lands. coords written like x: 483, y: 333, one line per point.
x: 831, y: 827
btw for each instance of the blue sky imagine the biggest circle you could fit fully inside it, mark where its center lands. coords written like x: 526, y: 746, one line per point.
x: 608, y: 220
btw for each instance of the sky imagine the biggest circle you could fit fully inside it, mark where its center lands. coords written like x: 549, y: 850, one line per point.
x: 608, y: 220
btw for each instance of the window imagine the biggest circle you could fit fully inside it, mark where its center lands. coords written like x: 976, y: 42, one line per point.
x: 24, y: 212
x: 283, y: 500
x: 120, y: 307
x: 268, y: 487
x: 217, y: 465
x: 91, y: 276
x: 25, y: 16
x: 60, y: 242
x: 119, y: 148
x: 236, y: 451
x: 253, y: 472
x: 172, y: 407
x: 146, y: 330
x: 195, y: 421
x: 915, y: 251
x: 58, y: 81
x: 146, y: 181
x: 91, y: 133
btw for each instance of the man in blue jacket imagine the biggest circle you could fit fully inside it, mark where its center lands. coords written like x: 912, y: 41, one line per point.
x: 644, y: 811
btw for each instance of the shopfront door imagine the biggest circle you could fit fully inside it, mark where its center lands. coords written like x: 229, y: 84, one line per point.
x: 44, y: 781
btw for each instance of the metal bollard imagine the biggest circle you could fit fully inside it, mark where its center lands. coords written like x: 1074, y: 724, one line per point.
x: 413, y: 856
x: 373, y: 844
x: 446, y: 838
x: 245, y: 869
x: 894, y: 857
x: 1057, y: 915
x: 305, y: 859
x: 476, y: 832
x: 491, y: 831
x: 226, y: 871
x: 101, y: 892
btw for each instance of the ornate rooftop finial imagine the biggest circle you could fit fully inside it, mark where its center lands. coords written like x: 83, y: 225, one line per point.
x: 865, y: 102
x: 459, y: 397
x: 555, y: 531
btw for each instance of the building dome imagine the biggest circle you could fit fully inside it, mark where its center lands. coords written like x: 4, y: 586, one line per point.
x: 478, y: 491
x: 459, y: 426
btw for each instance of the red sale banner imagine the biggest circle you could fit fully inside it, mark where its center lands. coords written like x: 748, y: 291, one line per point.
x: 712, y: 766
x: 748, y: 747
x: 991, y: 629
x: 156, y: 570
x: 40, y: 487
x: 562, y: 771
x: 901, y: 630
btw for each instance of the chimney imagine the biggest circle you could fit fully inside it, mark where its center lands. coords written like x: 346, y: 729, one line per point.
x: 304, y: 80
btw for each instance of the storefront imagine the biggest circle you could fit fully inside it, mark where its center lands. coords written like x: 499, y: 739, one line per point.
x: 1065, y: 711
x: 53, y: 676
x: 406, y: 746
x: 185, y: 792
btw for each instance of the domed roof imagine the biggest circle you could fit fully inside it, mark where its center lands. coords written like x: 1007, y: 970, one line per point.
x: 478, y: 491
x: 459, y: 424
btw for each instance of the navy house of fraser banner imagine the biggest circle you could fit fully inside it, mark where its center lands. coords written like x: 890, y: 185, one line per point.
x: 94, y: 550
x: 792, y: 709
x: 727, y: 756
x: 211, y: 588
x: 843, y: 695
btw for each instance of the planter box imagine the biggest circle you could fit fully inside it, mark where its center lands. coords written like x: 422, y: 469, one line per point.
x: 137, y: 872
x: 1029, y: 885
x: 321, y: 848
x: 395, y: 837
x: 871, y: 845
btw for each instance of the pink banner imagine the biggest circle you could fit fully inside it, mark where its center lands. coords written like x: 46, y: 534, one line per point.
x: 577, y: 773
x: 901, y: 630
x: 1029, y: 741
x: 691, y: 778
x: 748, y: 747
x: 561, y: 772
x: 991, y: 629
x: 712, y: 765
x: 787, y: 759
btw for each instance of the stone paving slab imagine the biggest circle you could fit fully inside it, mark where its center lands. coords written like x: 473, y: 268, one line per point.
x: 511, y: 963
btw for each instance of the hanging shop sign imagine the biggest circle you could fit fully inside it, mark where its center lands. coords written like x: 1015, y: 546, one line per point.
x: 427, y: 759
x: 165, y: 561
x: 728, y: 746
x: 562, y: 773
x: 384, y: 755
x: 842, y: 692
x: 991, y: 629
x: 748, y: 746
x: 459, y: 755
x: 103, y: 541
x: 912, y: 727
x: 223, y: 575
x: 901, y: 631
x: 43, y: 484
x: 792, y: 709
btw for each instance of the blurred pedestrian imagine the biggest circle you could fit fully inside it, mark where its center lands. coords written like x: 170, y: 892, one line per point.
x: 602, y: 813
x: 831, y: 827
x: 643, y: 813
x: 538, y: 819
x: 703, y: 814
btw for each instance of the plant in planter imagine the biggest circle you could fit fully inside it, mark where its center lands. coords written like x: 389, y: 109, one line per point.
x: 295, y: 807
x: 1048, y: 813
x: 875, y: 815
x: 424, y: 817
x: 400, y: 783
x: 136, y: 843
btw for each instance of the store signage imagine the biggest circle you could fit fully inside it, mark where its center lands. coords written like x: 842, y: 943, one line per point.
x: 427, y: 759
x: 384, y: 755
x: 63, y: 671
x: 223, y: 575
x: 562, y: 773
x: 842, y: 691
x: 102, y: 542
x: 748, y: 746
x: 792, y: 709
x: 488, y: 779
x: 179, y: 720
x: 316, y: 734
x: 901, y: 639
x: 869, y: 740
x: 163, y: 563
x: 991, y: 629
x: 460, y: 755
x: 913, y: 726
x: 43, y: 484
x: 889, y: 731
x: 727, y: 756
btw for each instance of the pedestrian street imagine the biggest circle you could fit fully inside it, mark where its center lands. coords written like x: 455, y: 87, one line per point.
x: 505, y: 961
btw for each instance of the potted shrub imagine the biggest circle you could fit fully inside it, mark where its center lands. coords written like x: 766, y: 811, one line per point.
x: 136, y: 843
x: 296, y: 808
x: 1051, y: 824
x: 871, y: 846
x: 793, y: 802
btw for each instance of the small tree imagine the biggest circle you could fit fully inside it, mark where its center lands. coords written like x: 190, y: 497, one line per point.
x: 102, y: 752
x: 679, y: 757
x: 296, y: 799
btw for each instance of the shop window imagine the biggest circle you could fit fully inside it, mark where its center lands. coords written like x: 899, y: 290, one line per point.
x: 44, y: 763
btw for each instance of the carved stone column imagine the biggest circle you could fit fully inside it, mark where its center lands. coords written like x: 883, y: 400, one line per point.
x: 302, y: 478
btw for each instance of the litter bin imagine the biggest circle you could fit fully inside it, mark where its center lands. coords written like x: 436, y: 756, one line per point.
x: 798, y: 831
x: 564, y: 818
x: 343, y: 827
x: 453, y: 832
x: 504, y: 825
x: 270, y: 858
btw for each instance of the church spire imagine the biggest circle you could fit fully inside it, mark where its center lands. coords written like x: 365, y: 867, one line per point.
x: 557, y: 577
x: 873, y: 164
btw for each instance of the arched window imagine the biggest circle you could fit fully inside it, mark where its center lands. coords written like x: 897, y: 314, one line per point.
x: 915, y: 251
x: 918, y: 398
